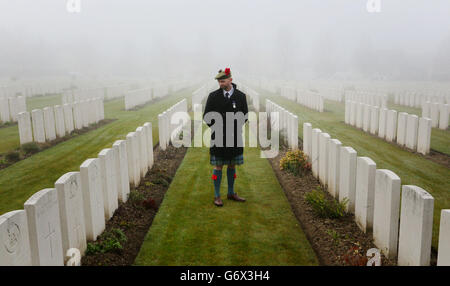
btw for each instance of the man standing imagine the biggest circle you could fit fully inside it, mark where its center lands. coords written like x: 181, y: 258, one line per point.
x: 226, y: 99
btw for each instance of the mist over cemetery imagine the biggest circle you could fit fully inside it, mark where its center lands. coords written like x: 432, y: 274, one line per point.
x: 104, y: 149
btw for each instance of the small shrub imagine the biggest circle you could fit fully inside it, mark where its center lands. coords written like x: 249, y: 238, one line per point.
x: 355, y: 257
x: 323, y: 207
x: 295, y: 162
x: 30, y: 148
x: 136, y: 197
x: 12, y: 156
x: 107, y: 242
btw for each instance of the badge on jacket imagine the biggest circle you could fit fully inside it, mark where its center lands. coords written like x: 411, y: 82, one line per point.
x: 234, y: 104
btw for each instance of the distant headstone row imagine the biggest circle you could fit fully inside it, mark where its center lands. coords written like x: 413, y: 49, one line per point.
x: 75, y: 210
x: 438, y: 113
x: 168, y: 124
x: 400, y: 229
x: 137, y: 97
x: 287, y: 123
x: 371, y: 98
x: 405, y: 129
x: 418, y: 99
x: 76, y: 95
x: 305, y: 97
x: 10, y: 108
x: 51, y: 122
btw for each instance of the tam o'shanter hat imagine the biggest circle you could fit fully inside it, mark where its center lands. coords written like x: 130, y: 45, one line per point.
x: 223, y: 74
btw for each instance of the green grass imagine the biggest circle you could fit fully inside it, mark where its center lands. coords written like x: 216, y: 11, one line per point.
x: 39, y: 102
x: 413, y: 169
x: 440, y: 139
x: 190, y: 230
x: 19, y: 181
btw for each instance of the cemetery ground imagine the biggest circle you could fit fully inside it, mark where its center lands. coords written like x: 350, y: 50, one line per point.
x: 190, y: 230
x: 24, y: 178
x: 412, y: 168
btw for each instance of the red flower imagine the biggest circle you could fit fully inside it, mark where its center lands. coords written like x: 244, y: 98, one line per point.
x: 234, y: 176
x: 214, y: 177
x: 227, y: 71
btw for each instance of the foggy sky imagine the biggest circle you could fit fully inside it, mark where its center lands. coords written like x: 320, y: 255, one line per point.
x: 289, y: 39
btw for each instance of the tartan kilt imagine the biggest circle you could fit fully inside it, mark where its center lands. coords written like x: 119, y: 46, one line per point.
x: 215, y: 160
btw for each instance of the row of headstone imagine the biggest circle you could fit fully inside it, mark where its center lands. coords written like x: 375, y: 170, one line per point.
x: 288, y: 123
x: 330, y: 93
x: 288, y: 92
x: 76, y: 95
x: 199, y: 95
x: 373, y: 196
x: 252, y: 95
x: 438, y: 113
x: 418, y: 99
x: 74, y: 212
x: 168, y: 123
x: 405, y: 129
x: 51, y: 122
x: 137, y: 97
x: 371, y: 98
x: 312, y: 100
x: 10, y: 108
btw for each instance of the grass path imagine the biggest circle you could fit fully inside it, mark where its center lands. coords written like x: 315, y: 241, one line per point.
x: 411, y: 168
x: 190, y: 230
x: 19, y: 181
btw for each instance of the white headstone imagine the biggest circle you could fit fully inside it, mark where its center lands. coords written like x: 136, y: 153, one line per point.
x: 334, y: 150
x: 382, y: 123
x: 391, y: 125
x: 59, y: 121
x: 49, y: 123
x: 91, y: 185
x: 44, y: 228
x: 386, y: 211
x: 412, y: 127
x: 323, y: 157
x: 443, y: 258
x: 416, y: 227
x: 15, y: 250
x: 123, y: 183
x: 68, y: 117
x: 4, y: 110
x: 24, y: 122
x: 148, y: 126
x: 133, y: 162
x: 347, y: 177
x: 366, y: 117
x: 365, y: 190
x: 38, y: 125
x: 307, y: 140
x: 77, y: 115
x: 315, y: 151
x: 374, y: 119
x: 401, y: 128
x: 434, y: 114
x: 359, y: 115
x: 70, y: 197
x: 424, y: 136
x: 109, y: 181
x: 143, y: 154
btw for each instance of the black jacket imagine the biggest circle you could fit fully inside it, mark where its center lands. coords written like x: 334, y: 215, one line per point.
x: 217, y: 102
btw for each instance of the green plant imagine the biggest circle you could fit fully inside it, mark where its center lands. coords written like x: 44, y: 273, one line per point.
x: 108, y: 241
x: 323, y: 207
x: 30, y: 148
x: 136, y: 197
x: 295, y: 162
x: 334, y: 235
x: 12, y: 156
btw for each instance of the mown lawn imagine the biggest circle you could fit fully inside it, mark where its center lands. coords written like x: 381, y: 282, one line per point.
x: 190, y: 230
x: 413, y: 169
x: 19, y: 181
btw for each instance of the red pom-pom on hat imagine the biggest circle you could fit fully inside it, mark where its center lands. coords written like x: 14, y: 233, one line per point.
x: 227, y: 71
